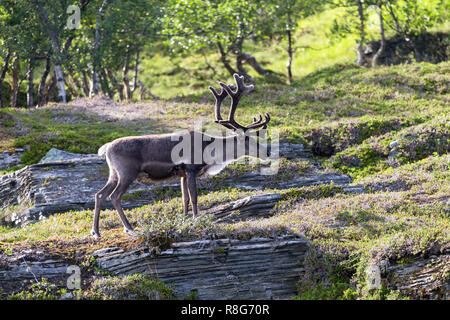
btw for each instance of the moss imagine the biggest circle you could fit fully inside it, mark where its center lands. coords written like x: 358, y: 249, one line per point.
x: 43, y: 290
x: 357, y: 217
x: 376, y: 154
x: 90, y: 264
x: 129, y: 287
x: 311, y: 192
x: 136, y: 195
x: 162, y: 193
x: 422, y: 141
x: 339, y: 289
x: 44, y: 130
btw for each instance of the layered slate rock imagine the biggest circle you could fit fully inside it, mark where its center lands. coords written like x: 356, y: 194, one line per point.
x: 57, y: 155
x: 256, y: 181
x: 54, y: 187
x: 258, y: 268
x: 422, y: 278
x: 10, y: 159
x: 17, y: 271
x: 257, y: 206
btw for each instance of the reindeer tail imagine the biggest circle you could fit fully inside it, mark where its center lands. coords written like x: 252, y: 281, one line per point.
x: 102, y: 151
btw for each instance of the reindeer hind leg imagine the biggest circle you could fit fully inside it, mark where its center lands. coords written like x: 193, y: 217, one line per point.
x: 125, y: 179
x: 100, y: 198
x: 192, y: 190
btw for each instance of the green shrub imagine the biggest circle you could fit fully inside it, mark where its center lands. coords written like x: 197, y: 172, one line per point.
x: 43, y: 290
x: 128, y: 287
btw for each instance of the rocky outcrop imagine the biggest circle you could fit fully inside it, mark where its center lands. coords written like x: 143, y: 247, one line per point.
x: 10, y: 159
x: 293, y: 151
x: 258, y: 268
x: 61, y: 186
x: 50, y: 187
x: 427, y: 46
x: 259, y: 206
x: 57, y: 155
x: 255, y: 181
x: 421, y: 278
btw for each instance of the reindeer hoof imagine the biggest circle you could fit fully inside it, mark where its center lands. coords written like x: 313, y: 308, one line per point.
x: 95, y: 234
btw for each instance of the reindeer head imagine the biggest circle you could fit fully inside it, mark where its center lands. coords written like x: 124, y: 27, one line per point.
x: 240, y: 89
x: 244, y: 133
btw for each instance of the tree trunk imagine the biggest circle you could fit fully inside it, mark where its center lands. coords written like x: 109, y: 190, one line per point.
x: 400, y: 31
x: 125, y: 80
x: 223, y: 58
x: 398, y: 28
x: 114, y: 83
x: 94, y: 83
x: 106, y: 90
x: 50, y: 89
x: 15, y: 82
x: 240, y: 56
x: 85, y: 83
x: 2, y: 77
x: 56, y: 45
x: 41, y: 89
x: 136, y: 66
x: 76, y: 83
x: 376, y: 57
x: 30, y: 75
x: 145, y: 91
x: 251, y: 60
x: 360, y: 58
x: 289, y: 64
x: 95, y: 64
x: 239, y: 65
x: 60, y: 83
x: 208, y: 65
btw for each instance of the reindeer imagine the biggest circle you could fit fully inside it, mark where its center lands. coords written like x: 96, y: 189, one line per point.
x: 152, y: 155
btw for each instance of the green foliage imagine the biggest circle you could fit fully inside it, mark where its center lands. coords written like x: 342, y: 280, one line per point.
x: 129, y: 287
x: 413, y: 17
x: 7, y: 213
x: 293, y: 195
x: 328, y: 140
x: 43, y: 290
x: 196, y: 24
x: 413, y: 143
x: 165, y: 223
x: 46, y: 131
x: 339, y: 289
x: 91, y: 265
x: 133, y: 196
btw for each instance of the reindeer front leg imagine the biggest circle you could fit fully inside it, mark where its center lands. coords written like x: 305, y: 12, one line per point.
x: 192, y: 189
x: 185, y: 195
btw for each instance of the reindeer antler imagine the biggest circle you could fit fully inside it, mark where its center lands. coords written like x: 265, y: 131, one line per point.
x: 235, y: 96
